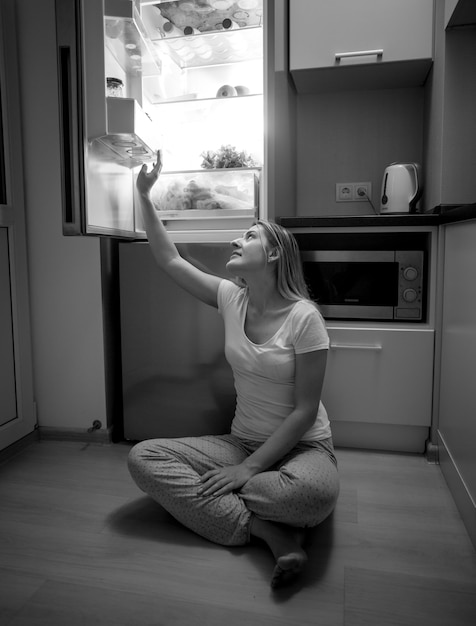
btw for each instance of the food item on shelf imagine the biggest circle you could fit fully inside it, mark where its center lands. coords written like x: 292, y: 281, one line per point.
x: 198, y: 196
x: 232, y: 191
x: 226, y: 91
x: 242, y: 90
x: 172, y: 198
x: 226, y: 156
x: 114, y: 87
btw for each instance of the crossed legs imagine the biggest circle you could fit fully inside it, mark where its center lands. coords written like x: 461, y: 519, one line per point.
x: 301, y: 492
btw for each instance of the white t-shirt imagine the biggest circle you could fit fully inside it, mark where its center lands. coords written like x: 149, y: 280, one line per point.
x: 264, y: 373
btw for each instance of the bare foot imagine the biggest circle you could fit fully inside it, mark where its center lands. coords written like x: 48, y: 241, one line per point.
x: 288, y: 568
x: 286, y: 545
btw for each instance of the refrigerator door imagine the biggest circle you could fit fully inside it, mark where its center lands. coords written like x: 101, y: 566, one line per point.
x: 103, y: 140
x: 176, y: 381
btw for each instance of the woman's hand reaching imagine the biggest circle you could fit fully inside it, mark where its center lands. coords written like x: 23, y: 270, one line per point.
x: 220, y: 481
x: 146, y: 180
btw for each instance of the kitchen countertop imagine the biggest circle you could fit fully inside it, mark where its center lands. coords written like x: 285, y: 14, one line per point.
x: 443, y: 214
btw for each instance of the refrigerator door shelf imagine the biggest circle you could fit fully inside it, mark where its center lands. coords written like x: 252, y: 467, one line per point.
x: 127, y: 40
x: 131, y: 134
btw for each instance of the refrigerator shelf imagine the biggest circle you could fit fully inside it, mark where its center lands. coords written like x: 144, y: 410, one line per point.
x: 216, y: 48
x: 193, y: 100
x: 204, y: 215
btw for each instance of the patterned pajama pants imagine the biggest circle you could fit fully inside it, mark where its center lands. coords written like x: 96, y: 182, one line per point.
x: 301, y: 490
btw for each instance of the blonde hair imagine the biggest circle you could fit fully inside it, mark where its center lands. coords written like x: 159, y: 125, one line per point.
x: 289, y: 273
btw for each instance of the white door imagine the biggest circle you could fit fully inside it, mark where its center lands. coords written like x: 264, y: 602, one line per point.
x: 17, y: 415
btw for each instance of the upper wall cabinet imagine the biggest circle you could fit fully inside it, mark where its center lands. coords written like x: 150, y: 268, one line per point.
x: 360, y: 44
x: 460, y: 13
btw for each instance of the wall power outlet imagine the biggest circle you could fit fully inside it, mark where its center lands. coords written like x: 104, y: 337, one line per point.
x: 353, y: 192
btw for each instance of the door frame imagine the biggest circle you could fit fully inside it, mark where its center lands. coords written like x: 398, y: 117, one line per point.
x: 13, y: 218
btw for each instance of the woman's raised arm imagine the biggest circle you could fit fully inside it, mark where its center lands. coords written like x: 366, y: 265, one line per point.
x: 200, y: 284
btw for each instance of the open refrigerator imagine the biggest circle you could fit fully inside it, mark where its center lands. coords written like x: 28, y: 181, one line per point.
x: 185, y: 77
x: 188, y: 78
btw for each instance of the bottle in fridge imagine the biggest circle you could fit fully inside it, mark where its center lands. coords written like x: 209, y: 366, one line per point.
x: 185, y: 77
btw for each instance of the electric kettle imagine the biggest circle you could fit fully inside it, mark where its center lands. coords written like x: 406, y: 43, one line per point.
x: 401, y: 188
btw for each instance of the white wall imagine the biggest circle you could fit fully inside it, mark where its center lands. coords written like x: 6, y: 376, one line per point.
x: 65, y: 287
x: 352, y: 137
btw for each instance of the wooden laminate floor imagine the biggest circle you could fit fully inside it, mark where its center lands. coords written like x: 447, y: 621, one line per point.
x: 81, y: 545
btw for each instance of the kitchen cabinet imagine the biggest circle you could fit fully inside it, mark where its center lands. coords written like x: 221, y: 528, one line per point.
x: 459, y: 13
x: 344, y: 45
x: 457, y: 397
x: 450, y: 142
x: 378, y: 386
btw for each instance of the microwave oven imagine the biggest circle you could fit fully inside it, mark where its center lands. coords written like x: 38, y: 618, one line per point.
x: 387, y: 285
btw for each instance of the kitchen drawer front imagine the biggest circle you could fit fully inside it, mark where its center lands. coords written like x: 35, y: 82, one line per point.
x: 382, y: 376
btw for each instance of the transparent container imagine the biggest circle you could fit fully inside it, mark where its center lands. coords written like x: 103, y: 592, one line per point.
x: 226, y: 192
x: 114, y: 87
x: 204, y: 17
x: 129, y: 55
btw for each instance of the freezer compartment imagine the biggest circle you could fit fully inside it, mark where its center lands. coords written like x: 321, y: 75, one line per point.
x: 204, y: 194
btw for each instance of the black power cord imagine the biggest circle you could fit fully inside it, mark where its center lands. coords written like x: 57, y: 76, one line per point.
x: 363, y: 194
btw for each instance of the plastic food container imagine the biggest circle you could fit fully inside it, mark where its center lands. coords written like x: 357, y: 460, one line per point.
x: 205, y: 193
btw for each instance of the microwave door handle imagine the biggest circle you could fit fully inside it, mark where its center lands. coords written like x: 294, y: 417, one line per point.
x: 356, y: 346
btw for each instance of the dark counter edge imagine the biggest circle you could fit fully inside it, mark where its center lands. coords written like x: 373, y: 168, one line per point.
x: 443, y: 214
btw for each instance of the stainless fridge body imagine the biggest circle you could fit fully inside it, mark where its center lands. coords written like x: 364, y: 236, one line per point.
x: 176, y: 381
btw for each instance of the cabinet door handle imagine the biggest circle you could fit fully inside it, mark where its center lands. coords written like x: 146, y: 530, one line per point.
x: 355, y: 346
x: 358, y: 53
